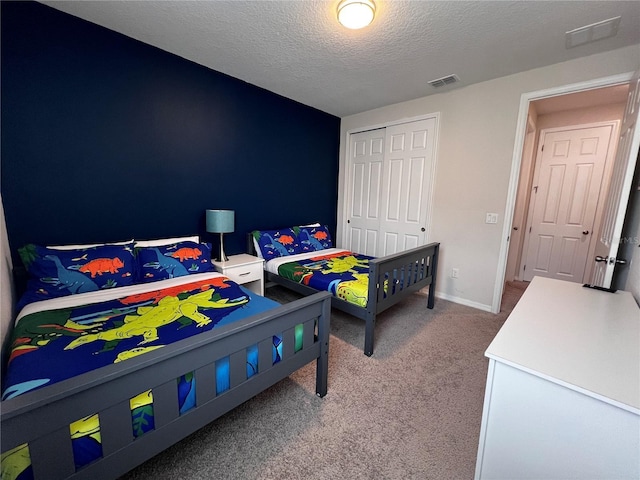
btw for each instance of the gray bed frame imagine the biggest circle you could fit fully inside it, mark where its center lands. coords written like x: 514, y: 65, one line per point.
x: 41, y: 418
x: 407, y: 272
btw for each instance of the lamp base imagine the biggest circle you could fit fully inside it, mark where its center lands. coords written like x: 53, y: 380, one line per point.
x: 222, y: 257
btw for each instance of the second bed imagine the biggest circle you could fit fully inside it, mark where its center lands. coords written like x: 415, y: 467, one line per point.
x: 303, y: 259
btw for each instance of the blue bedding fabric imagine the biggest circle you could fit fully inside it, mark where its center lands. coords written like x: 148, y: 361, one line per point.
x: 344, y: 274
x: 51, y: 346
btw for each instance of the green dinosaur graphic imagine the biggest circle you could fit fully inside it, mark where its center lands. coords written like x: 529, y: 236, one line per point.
x: 345, y: 264
x: 150, y: 318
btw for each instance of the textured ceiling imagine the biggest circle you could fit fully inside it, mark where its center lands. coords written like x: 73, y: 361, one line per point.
x: 297, y: 49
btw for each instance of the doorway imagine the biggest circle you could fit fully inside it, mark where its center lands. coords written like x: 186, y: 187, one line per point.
x: 528, y: 103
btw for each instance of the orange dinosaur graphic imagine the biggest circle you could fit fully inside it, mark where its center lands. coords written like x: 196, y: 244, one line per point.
x: 285, y: 239
x: 330, y: 256
x: 320, y: 235
x: 157, y: 295
x: 99, y: 266
x: 186, y: 253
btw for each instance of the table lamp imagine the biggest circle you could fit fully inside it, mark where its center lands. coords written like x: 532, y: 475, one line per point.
x: 220, y: 221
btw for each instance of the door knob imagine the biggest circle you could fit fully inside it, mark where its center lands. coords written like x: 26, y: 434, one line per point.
x: 585, y: 232
x: 618, y: 261
x: 601, y: 259
x: 422, y: 229
x: 515, y: 228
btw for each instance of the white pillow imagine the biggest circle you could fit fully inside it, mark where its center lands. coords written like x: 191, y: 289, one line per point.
x: 76, y: 247
x: 166, y: 241
x: 256, y: 247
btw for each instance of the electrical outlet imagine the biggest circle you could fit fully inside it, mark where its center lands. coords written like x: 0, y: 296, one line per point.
x: 454, y: 273
x: 491, y: 218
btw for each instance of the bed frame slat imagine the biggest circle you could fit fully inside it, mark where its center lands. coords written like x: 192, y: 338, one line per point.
x: 52, y: 455
x: 238, y: 367
x: 205, y: 383
x: 308, y: 334
x: 288, y: 343
x: 165, y: 403
x: 265, y: 355
x: 116, y: 430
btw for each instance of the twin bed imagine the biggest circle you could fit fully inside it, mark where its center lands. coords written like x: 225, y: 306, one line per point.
x: 121, y: 350
x: 303, y: 259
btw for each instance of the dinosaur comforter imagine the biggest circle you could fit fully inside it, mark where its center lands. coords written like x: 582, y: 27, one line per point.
x: 64, y: 337
x: 345, y: 274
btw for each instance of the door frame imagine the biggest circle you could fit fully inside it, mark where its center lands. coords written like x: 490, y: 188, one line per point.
x: 604, y: 183
x: 345, y: 191
x: 516, y: 161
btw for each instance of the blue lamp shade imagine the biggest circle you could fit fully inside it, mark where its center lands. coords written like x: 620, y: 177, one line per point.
x: 220, y: 221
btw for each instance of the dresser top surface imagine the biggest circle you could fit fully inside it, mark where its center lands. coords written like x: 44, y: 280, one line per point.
x: 583, y: 338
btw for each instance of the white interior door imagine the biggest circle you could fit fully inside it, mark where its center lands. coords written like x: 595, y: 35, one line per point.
x: 408, y: 175
x: 619, y: 189
x: 567, y: 187
x: 366, y: 166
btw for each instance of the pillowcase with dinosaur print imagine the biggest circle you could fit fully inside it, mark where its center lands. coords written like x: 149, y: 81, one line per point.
x: 277, y: 243
x: 174, y: 260
x: 57, y: 273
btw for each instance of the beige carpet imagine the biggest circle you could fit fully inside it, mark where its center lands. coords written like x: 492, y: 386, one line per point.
x: 411, y: 411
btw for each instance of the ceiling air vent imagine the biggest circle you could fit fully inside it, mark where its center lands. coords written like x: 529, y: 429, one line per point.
x: 441, y: 82
x: 591, y: 33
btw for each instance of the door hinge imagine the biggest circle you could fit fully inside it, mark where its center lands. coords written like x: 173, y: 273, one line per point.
x: 524, y: 268
x: 529, y: 229
x: 535, y: 189
x: 543, y: 148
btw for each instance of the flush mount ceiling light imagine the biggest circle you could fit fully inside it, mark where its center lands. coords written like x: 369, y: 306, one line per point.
x: 356, y: 14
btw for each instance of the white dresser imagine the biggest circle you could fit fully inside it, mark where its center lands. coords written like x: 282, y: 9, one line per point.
x: 562, y: 399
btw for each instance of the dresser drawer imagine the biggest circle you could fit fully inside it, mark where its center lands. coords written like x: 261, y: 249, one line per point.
x: 245, y: 273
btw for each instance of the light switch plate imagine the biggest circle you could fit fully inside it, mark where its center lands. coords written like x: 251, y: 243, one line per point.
x: 491, y: 218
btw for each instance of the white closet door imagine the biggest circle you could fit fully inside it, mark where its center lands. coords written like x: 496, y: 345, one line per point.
x: 390, y: 177
x: 406, y: 187
x: 366, y: 161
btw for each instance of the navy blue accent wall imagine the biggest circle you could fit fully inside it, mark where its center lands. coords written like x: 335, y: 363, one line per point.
x: 105, y: 138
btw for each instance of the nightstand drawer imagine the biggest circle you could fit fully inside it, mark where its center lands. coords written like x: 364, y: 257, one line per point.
x: 245, y: 270
x: 245, y: 273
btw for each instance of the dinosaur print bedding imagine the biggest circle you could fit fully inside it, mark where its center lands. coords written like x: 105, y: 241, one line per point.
x: 343, y: 273
x: 60, y: 338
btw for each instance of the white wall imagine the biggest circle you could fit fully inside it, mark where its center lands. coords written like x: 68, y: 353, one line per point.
x: 475, y: 150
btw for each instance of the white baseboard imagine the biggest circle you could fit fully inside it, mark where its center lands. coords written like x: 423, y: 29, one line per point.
x: 464, y: 301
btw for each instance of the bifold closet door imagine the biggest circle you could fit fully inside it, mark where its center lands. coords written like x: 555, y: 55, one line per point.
x: 407, y: 178
x: 390, y: 182
x: 366, y: 166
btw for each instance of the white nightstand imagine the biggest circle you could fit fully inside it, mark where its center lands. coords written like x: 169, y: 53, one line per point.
x: 244, y: 269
